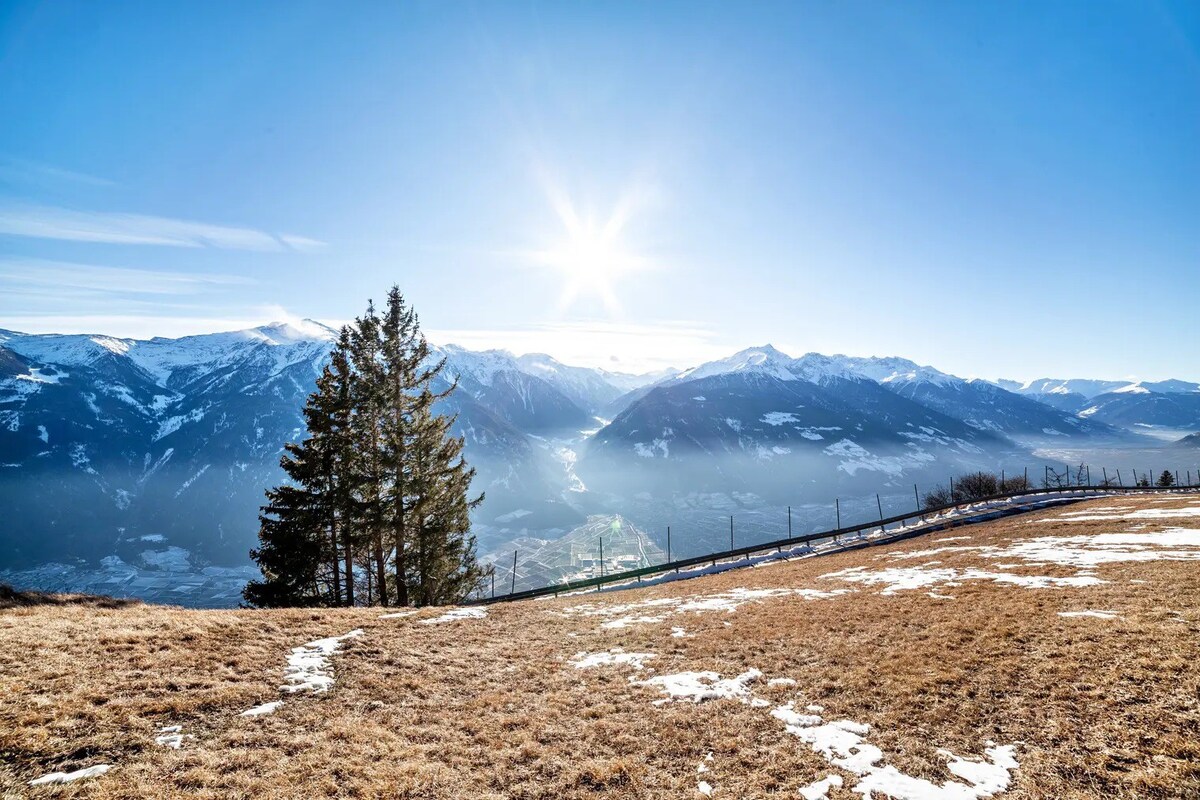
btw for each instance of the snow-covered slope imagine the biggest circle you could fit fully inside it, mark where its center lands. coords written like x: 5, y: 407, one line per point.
x: 104, y: 441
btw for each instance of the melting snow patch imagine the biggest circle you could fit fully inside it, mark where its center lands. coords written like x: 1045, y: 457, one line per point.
x: 1173, y: 544
x: 819, y: 790
x: 265, y: 708
x: 897, y: 579
x: 308, y: 665
x: 398, y: 615
x: 1101, y: 514
x: 625, y: 622
x: 704, y: 788
x: 842, y: 743
x: 724, y: 601
x: 1097, y: 614
x: 170, y: 736
x: 781, y: 682
x: 456, y: 614
x: 679, y: 633
x: 69, y: 777
x: 698, y: 687
x: 606, y: 657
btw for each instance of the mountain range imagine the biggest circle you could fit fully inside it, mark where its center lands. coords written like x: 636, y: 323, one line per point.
x: 113, y: 447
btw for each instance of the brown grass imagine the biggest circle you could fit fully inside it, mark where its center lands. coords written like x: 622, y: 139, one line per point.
x: 489, y: 708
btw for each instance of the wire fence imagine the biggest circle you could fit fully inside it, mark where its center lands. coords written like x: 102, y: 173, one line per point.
x: 934, y: 518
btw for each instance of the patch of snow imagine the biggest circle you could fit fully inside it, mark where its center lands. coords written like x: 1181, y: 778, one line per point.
x: 698, y: 687
x: 265, y: 708
x: 456, y: 614
x: 604, y: 658
x: 819, y: 790
x: 70, y: 777
x: 899, y: 579
x: 1173, y: 544
x: 1096, y: 614
x: 170, y: 736
x: 398, y: 615
x: 777, y: 418
x: 625, y: 622
x: 308, y: 665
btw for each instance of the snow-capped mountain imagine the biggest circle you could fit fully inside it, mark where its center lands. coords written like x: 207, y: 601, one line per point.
x: 119, y: 448
x: 1127, y: 404
x: 981, y: 405
x: 496, y: 380
x: 104, y: 441
x: 762, y: 422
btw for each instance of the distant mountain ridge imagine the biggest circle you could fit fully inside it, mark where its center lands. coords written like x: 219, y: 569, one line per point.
x: 118, y: 446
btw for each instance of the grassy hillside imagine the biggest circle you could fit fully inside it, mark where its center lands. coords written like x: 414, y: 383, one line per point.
x: 957, y: 665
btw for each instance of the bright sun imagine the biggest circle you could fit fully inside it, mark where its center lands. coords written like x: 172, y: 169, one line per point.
x: 591, y: 257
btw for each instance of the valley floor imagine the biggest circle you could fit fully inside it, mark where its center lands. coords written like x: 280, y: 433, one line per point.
x: 1050, y: 655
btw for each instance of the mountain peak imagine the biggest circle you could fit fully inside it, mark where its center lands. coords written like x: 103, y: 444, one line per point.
x: 298, y: 331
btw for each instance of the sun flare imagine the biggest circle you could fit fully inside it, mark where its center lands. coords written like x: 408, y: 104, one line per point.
x: 591, y: 257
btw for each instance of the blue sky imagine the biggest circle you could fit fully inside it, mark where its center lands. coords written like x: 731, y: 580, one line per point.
x: 984, y: 187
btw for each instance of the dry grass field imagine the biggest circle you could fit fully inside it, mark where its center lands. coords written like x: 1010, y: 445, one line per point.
x: 886, y: 670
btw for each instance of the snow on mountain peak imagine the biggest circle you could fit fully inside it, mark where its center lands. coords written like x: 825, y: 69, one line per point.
x: 305, y: 330
x: 766, y: 360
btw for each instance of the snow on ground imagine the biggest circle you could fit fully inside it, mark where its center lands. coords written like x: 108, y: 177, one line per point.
x: 170, y: 736
x: 307, y: 670
x: 1173, y: 544
x: 697, y: 687
x: 696, y: 604
x: 843, y: 743
x: 308, y: 665
x: 604, y: 658
x: 899, y: 579
x: 1097, y: 614
x: 265, y: 708
x: 69, y: 777
x: 819, y: 790
x: 398, y: 615
x: 1126, y: 512
x: 455, y: 614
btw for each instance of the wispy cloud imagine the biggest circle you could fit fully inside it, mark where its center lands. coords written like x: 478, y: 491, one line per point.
x: 129, y: 326
x: 616, y: 346
x: 35, y: 173
x: 28, y: 276
x: 46, y: 222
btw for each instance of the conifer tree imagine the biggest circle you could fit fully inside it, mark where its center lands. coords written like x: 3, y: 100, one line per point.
x: 378, y: 508
x: 366, y: 356
x: 291, y: 548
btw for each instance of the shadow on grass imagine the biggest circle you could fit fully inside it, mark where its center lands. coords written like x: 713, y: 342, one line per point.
x: 11, y: 598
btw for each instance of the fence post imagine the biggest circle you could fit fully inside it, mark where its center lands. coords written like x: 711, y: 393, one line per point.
x: 1088, y: 467
x: 601, y: 556
x: 513, y: 590
x: 493, y: 581
x: 879, y: 505
x: 790, y: 520
x: 668, y: 544
x: 837, y: 509
x: 1026, y: 488
x: 731, y: 533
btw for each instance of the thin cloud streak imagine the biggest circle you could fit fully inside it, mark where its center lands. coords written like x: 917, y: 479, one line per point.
x: 26, y: 275
x: 102, y: 227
